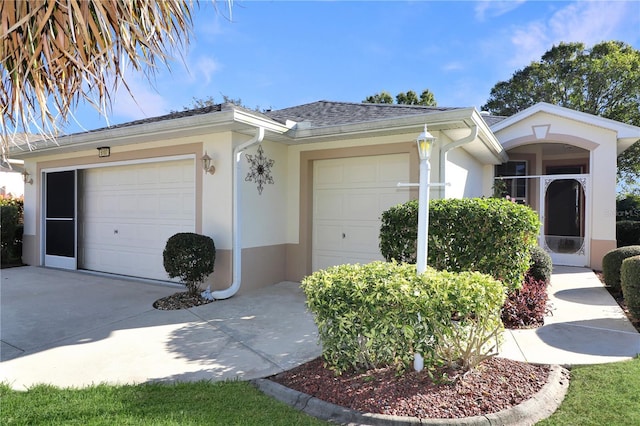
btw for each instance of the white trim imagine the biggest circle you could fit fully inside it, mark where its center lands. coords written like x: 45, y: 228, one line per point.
x: 623, y: 130
x: 121, y: 163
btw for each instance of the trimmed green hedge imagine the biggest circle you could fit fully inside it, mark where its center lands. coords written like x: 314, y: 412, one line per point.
x: 380, y: 314
x: 627, y: 233
x: 189, y: 257
x: 630, y: 279
x: 612, y: 262
x: 489, y: 235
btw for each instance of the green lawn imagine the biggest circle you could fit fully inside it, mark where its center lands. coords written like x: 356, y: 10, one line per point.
x: 607, y: 394
x: 202, y: 403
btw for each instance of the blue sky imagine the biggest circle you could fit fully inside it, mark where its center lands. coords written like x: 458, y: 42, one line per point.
x: 276, y: 54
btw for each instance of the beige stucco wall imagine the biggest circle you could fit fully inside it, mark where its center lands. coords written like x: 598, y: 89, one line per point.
x: 462, y: 172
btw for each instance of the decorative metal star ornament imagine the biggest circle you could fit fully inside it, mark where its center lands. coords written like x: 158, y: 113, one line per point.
x: 260, y: 169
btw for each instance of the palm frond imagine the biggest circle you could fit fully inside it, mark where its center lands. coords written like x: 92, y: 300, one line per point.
x: 55, y: 53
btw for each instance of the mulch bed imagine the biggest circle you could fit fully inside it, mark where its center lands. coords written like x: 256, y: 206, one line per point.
x: 183, y: 300
x: 495, y: 385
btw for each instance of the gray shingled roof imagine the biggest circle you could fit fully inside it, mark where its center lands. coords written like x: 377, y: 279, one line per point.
x: 492, y: 119
x: 319, y: 114
x: 170, y: 116
x: 327, y: 113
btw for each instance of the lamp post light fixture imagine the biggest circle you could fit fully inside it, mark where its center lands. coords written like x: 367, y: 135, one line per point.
x: 425, y: 143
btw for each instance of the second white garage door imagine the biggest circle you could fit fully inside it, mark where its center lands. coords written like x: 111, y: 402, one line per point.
x: 127, y: 213
x: 349, y: 196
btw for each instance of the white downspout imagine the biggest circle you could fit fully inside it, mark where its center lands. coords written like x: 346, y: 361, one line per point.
x: 445, y: 149
x: 237, y: 240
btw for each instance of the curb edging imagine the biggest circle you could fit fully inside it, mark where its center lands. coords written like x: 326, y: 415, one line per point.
x: 540, y: 406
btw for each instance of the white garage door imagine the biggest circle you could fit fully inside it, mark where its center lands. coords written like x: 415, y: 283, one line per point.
x: 349, y: 196
x: 127, y: 213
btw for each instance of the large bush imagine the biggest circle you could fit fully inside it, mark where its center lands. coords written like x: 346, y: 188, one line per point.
x: 612, y: 262
x: 630, y: 279
x: 380, y: 314
x: 628, y: 233
x: 189, y: 257
x: 489, y: 235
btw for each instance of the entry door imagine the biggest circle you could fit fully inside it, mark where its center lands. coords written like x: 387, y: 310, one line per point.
x: 60, y: 220
x: 564, y: 214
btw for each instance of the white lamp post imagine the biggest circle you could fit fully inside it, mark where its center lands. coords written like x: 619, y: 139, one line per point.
x: 425, y: 143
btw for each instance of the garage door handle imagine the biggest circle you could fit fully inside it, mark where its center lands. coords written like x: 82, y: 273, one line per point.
x: 344, y: 235
x: 115, y: 231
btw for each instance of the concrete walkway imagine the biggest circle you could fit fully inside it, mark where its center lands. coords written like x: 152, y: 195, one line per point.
x: 77, y: 329
x: 585, y: 326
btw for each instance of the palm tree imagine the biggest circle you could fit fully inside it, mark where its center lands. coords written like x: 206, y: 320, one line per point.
x: 55, y: 53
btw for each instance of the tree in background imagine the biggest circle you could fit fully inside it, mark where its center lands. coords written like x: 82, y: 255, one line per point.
x: 210, y: 101
x: 403, y: 98
x: 603, y: 80
x: 56, y: 53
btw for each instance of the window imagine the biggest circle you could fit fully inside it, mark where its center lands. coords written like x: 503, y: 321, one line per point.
x: 513, y: 187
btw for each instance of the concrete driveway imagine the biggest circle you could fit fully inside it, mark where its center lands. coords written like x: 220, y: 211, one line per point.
x: 77, y: 329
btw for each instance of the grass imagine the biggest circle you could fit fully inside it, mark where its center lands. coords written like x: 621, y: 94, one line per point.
x: 200, y: 403
x: 604, y: 394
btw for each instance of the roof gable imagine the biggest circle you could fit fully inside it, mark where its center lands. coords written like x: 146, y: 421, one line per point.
x: 623, y: 130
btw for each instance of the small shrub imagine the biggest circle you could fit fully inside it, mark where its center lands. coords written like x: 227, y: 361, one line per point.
x: 541, y: 265
x: 630, y: 280
x: 189, y: 257
x: 380, y: 314
x: 612, y: 262
x: 488, y: 235
x: 526, y: 307
x: 627, y: 233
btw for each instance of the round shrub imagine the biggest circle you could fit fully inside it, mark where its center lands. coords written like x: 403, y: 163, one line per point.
x: 612, y: 262
x: 189, y: 257
x: 628, y: 233
x: 630, y: 281
x: 541, y: 265
x: 489, y: 235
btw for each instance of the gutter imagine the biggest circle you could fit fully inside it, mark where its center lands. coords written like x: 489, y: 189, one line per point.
x: 237, y: 249
x: 445, y: 149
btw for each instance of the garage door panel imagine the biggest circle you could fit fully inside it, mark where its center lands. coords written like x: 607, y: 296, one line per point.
x: 363, y: 205
x: 328, y: 205
x: 361, y: 238
x: 358, y: 172
x: 129, y: 212
x: 348, y: 201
